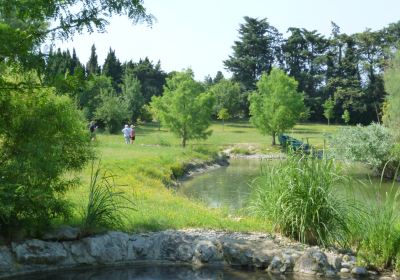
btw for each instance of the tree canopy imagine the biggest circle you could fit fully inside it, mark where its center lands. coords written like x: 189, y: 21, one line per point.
x: 276, y: 105
x: 185, y: 108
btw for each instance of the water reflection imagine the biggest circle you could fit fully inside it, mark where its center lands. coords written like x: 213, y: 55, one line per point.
x: 229, y: 186
x: 166, y: 272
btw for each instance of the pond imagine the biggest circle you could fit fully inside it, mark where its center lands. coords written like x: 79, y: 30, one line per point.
x: 229, y: 186
x: 164, y: 272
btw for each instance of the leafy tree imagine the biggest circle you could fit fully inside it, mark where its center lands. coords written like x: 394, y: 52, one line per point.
x: 227, y: 95
x: 392, y: 86
x: 276, y: 106
x: 113, y: 68
x: 92, y: 66
x: 131, y: 92
x: 91, y: 96
x: 113, y: 111
x: 184, y: 107
x: 43, y: 137
x: 150, y: 76
x: 256, y: 51
x: 223, y: 115
x: 329, y: 105
x: 346, y: 116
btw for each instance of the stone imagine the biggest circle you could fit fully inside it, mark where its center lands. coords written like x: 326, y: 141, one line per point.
x: 344, y: 270
x: 109, y: 248
x: 64, y: 233
x: 334, y: 260
x: 6, y: 259
x: 206, y: 252
x: 312, y: 262
x: 39, y: 252
x: 359, y: 271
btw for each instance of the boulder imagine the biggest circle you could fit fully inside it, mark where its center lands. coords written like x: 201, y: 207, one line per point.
x: 39, y: 252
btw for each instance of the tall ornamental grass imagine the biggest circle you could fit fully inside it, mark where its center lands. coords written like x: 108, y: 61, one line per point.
x: 105, y: 206
x: 379, y: 234
x: 298, y: 196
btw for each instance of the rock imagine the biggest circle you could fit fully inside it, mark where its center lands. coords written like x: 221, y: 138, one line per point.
x: 6, y: 260
x: 312, y: 262
x: 39, y: 252
x: 109, y: 248
x: 63, y: 233
x: 206, y: 251
x: 344, y: 270
x: 359, y: 271
x: 334, y: 260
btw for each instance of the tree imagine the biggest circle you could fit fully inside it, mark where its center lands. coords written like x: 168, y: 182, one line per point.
x: 329, y: 105
x: 113, y: 111
x: 346, y: 116
x: 255, y: 52
x: 113, y: 68
x: 223, y: 115
x: 392, y: 86
x: 184, y: 107
x: 43, y: 138
x: 92, y: 66
x: 276, y: 105
x: 227, y: 95
x: 131, y: 92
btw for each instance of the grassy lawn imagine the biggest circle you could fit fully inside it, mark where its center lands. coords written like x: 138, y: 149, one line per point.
x: 144, y: 169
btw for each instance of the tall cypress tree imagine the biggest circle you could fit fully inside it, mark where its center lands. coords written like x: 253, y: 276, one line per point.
x: 112, y: 68
x: 92, y: 66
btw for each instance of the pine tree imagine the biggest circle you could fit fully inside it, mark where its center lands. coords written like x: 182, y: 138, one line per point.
x: 112, y: 68
x: 92, y: 66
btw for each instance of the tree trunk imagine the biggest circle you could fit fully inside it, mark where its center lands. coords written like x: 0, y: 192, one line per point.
x: 184, y: 142
x: 273, y: 138
x: 328, y: 122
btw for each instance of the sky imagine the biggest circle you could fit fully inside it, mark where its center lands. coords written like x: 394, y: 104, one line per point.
x: 200, y: 33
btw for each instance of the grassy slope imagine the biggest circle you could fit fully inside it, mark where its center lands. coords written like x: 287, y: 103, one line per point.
x: 145, y: 167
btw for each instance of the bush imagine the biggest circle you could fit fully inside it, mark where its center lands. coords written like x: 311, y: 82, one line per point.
x: 298, y: 196
x: 371, y: 144
x: 42, y: 136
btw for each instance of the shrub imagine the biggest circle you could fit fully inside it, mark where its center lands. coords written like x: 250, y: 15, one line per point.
x: 298, y: 196
x: 105, y: 205
x: 371, y: 144
x: 43, y: 136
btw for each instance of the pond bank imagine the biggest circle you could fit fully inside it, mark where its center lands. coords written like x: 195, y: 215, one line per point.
x: 192, y: 246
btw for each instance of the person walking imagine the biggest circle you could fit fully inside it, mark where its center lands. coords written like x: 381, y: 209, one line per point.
x: 92, y: 130
x: 127, y: 133
x: 132, y: 133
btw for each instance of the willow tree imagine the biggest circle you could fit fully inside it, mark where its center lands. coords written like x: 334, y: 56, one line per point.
x: 276, y: 105
x: 184, y: 107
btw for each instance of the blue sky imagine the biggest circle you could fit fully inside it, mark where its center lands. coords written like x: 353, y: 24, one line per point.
x: 200, y: 33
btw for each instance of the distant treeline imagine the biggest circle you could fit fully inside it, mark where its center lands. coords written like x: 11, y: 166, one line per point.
x: 344, y: 68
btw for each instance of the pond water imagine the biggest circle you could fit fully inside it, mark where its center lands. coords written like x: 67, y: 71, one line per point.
x: 164, y: 272
x: 229, y: 186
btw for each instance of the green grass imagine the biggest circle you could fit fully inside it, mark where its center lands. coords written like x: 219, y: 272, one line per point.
x: 145, y: 169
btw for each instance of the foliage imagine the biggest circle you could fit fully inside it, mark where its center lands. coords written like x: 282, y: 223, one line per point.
x: 255, y: 52
x: 276, y: 106
x: 131, y: 91
x: 227, y: 95
x: 105, y: 203
x: 298, y: 196
x: 113, y: 68
x: 346, y: 116
x: 223, y: 115
x: 113, y: 111
x: 92, y: 66
x: 371, y: 144
x: 43, y: 136
x: 328, y: 109
x: 392, y: 87
x: 184, y: 107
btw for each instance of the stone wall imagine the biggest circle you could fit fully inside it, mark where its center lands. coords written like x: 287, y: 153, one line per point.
x: 197, y: 247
